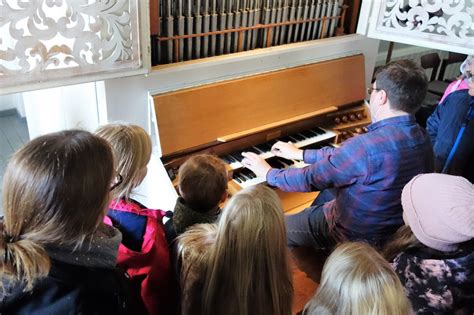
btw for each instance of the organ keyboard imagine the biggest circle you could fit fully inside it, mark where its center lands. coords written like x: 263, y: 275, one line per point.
x: 314, y: 138
x: 300, y: 104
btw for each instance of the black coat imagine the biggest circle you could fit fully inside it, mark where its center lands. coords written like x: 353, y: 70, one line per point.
x: 71, y: 289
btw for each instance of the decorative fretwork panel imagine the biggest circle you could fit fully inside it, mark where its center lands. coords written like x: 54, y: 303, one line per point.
x: 443, y: 24
x: 55, y: 42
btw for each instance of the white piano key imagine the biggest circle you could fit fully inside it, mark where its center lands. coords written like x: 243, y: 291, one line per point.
x: 266, y: 155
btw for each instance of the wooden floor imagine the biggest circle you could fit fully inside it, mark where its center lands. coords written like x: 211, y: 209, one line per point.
x: 13, y: 134
x: 306, y: 266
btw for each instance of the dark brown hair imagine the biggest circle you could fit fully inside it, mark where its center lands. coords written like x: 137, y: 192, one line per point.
x: 55, y: 191
x: 202, y: 181
x: 405, y: 84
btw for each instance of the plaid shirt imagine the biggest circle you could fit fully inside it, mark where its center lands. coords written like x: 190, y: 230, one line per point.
x: 368, y: 172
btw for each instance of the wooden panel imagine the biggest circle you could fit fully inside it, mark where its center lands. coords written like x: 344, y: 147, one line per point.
x: 294, y: 202
x: 154, y: 17
x: 192, y: 117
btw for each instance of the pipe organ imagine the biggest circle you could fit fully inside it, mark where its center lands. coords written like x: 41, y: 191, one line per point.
x: 312, y: 105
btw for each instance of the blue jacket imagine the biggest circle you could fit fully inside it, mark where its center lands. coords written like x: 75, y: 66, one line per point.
x: 443, y: 127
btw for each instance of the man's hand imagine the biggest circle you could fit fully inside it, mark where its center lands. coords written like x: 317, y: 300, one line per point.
x: 287, y: 150
x: 256, y: 164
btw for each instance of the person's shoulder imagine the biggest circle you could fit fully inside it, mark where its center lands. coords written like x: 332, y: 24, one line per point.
x: 105, y: 290
x: 456, y: 97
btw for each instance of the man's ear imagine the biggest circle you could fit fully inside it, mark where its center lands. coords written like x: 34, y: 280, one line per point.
x: 383, y: 97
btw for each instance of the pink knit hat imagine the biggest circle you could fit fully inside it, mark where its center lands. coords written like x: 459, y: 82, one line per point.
x: 439, y: 209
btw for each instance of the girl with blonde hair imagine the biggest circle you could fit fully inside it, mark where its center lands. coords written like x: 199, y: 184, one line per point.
x: 357, y: 280
x: 57, y: 257
x: 144, y: 251
x: 240, y: 265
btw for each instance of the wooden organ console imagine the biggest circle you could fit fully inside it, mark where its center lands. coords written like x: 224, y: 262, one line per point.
x: 312, y: 105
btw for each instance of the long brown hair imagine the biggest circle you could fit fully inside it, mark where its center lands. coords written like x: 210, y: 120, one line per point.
x: 55, y: 191
x: 248, y: 270
x: 402, y: 240
x: 357, y: 280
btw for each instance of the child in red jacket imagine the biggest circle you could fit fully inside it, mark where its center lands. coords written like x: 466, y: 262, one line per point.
x: 144, y: 251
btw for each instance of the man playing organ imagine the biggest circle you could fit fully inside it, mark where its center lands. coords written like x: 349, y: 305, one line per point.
x: 366, y: 173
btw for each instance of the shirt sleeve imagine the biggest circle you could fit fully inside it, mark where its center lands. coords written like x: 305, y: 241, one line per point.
x: 313, y: 156
x: 432, y: 124
x: 334, y: 167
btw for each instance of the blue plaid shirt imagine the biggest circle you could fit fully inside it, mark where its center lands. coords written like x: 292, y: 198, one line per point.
x: 368, y: 173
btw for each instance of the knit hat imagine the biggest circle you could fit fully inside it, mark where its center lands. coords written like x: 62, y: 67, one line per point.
x: 439, y: 209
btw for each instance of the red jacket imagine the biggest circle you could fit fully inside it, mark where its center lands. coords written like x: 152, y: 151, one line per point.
x: 144, y: 253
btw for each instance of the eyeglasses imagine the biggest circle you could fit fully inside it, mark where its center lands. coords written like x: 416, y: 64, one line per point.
x: 371, y: 89
x: 117, y: 181
x: 469, y: 76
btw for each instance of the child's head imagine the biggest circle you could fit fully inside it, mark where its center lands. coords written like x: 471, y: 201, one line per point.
x: 357, y: 280
x: 203, y: 182
x: 132, y: 150
x: 439, y: 209
x: 249, y: 260
x: 55, y: 191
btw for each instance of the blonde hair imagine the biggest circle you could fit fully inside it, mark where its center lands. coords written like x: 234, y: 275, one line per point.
x: 132, y: 151
x: 202, y: 181
x: 193, y: 250
x: 55, y: 191
x: 248, y: 270
x: 357, y: 280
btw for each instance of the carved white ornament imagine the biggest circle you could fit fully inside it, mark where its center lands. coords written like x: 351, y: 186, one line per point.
x: 45, y: 40
x: 448, y: 22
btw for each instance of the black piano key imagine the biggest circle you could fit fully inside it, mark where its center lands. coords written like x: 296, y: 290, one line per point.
x: 261, y: 147
x: 319, y: 130
x: 268, y: 146
x: 314, y: 146
x: 245, y: 177
x: 228, y: 159
x: 298, y: 137
x: 286, y: 161
x: 237, y: 156
x: 250, y: 174
x: 275, y: 163
x: 308, y: 134
x: 286, y: 139
x: 316, y: 131
x: 237, y: 178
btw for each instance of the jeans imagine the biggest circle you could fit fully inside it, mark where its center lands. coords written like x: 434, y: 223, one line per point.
x: 309, y: 228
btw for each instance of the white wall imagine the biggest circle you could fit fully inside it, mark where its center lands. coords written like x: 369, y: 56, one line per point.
x: 12, y: 101
x: 68, y: 107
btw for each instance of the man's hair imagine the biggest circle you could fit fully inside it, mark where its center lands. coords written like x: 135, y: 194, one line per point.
x: 202, y: 181
x: 356, y: 279
x: 405, y: 84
